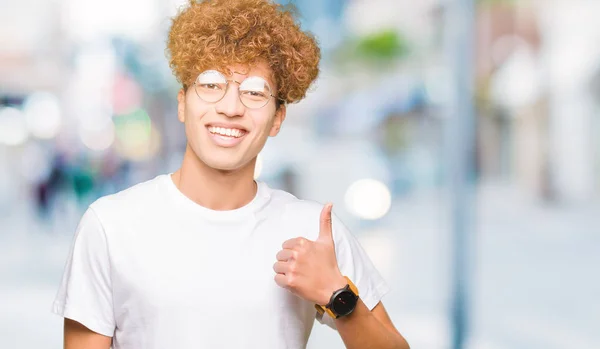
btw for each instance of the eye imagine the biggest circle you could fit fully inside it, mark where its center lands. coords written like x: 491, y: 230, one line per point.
x: 254, y: 93
x: 211, y: 86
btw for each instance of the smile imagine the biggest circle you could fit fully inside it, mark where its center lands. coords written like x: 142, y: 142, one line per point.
x: 226, y: 137
x: 226, y: 132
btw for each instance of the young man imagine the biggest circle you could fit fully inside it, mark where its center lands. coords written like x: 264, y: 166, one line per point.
x: 206, y: 257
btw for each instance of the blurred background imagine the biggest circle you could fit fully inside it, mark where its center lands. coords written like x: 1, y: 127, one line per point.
x: 88, y: 108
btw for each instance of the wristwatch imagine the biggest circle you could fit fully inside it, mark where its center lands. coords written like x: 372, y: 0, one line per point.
x: 342, y: 302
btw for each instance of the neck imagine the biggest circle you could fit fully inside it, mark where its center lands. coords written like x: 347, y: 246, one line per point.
x: 215, y: 189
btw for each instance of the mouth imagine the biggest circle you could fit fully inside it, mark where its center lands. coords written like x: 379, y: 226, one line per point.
x: 227, y: 132
x: 226, y: 136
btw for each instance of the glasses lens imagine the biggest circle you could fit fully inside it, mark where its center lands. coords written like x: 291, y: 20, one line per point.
x: 255, y: 92
x: 211, y: 86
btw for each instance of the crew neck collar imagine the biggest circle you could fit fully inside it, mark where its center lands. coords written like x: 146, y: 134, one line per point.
x: 259, y: 200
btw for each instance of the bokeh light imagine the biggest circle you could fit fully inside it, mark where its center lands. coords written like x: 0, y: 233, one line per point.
x: 98, y: 139
x: 368, y: 199
x: 13, y: 128
x: 137, y: 138
x: 43, y: 115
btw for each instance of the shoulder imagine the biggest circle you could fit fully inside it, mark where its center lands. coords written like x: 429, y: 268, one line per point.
x: 137, y: 198
x: 293, y: 206
x: 303, y: 216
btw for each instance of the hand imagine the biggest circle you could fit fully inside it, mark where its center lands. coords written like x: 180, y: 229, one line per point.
x: 309, y: 269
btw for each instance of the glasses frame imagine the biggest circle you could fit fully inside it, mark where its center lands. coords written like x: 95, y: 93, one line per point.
x: 239, y: 95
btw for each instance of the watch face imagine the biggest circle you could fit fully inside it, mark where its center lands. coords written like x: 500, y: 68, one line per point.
x: 344, y: 303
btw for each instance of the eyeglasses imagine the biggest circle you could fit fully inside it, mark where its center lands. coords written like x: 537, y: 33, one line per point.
x: 254, y: 91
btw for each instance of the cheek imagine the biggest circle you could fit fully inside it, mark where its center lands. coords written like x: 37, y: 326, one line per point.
x: 263, y: 121
x: 194, y: 115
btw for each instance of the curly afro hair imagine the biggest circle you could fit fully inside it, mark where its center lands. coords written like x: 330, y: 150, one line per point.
x: 215, y: 34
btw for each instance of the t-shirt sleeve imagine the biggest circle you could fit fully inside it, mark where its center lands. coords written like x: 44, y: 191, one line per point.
x: 354, y: 263
x: 85, y: 293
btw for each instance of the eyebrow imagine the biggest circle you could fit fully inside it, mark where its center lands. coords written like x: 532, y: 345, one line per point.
x: 267, y: 78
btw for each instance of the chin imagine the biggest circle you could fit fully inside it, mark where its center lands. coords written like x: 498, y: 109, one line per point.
x: 220, y: 160
x: 224, y: 164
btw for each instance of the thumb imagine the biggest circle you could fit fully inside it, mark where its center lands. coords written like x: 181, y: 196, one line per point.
x: 325, y: 231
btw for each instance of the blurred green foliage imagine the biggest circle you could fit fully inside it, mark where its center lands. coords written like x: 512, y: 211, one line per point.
x: 376, y: 50
x: 384, y: 45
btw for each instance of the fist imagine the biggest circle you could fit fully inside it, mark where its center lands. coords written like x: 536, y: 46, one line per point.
x: 308, y: 268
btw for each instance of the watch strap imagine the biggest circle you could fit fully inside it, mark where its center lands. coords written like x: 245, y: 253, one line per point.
x: 322, y: 309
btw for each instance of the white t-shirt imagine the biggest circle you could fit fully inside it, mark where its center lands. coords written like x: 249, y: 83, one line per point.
x: 154, y: 270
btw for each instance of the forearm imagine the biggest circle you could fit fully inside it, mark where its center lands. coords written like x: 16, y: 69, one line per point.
x: 362, y: 330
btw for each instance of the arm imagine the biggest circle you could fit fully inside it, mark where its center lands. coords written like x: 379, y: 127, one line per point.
x: 369, y: 329
x: 77, y: 336
x: 84, y: 298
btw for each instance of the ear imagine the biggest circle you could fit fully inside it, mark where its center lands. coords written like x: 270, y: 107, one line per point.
x: 181, y: 105
x: 278, y: 120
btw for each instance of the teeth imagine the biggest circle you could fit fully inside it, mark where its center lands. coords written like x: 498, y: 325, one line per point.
x: 229, y: 132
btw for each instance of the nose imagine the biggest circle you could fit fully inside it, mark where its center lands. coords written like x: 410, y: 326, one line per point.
x: 230, y: 105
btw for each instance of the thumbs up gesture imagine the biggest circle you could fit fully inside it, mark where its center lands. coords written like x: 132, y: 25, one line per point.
x: 308, y: 268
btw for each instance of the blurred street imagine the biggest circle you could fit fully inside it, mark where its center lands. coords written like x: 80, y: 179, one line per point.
x: 398, y: 120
